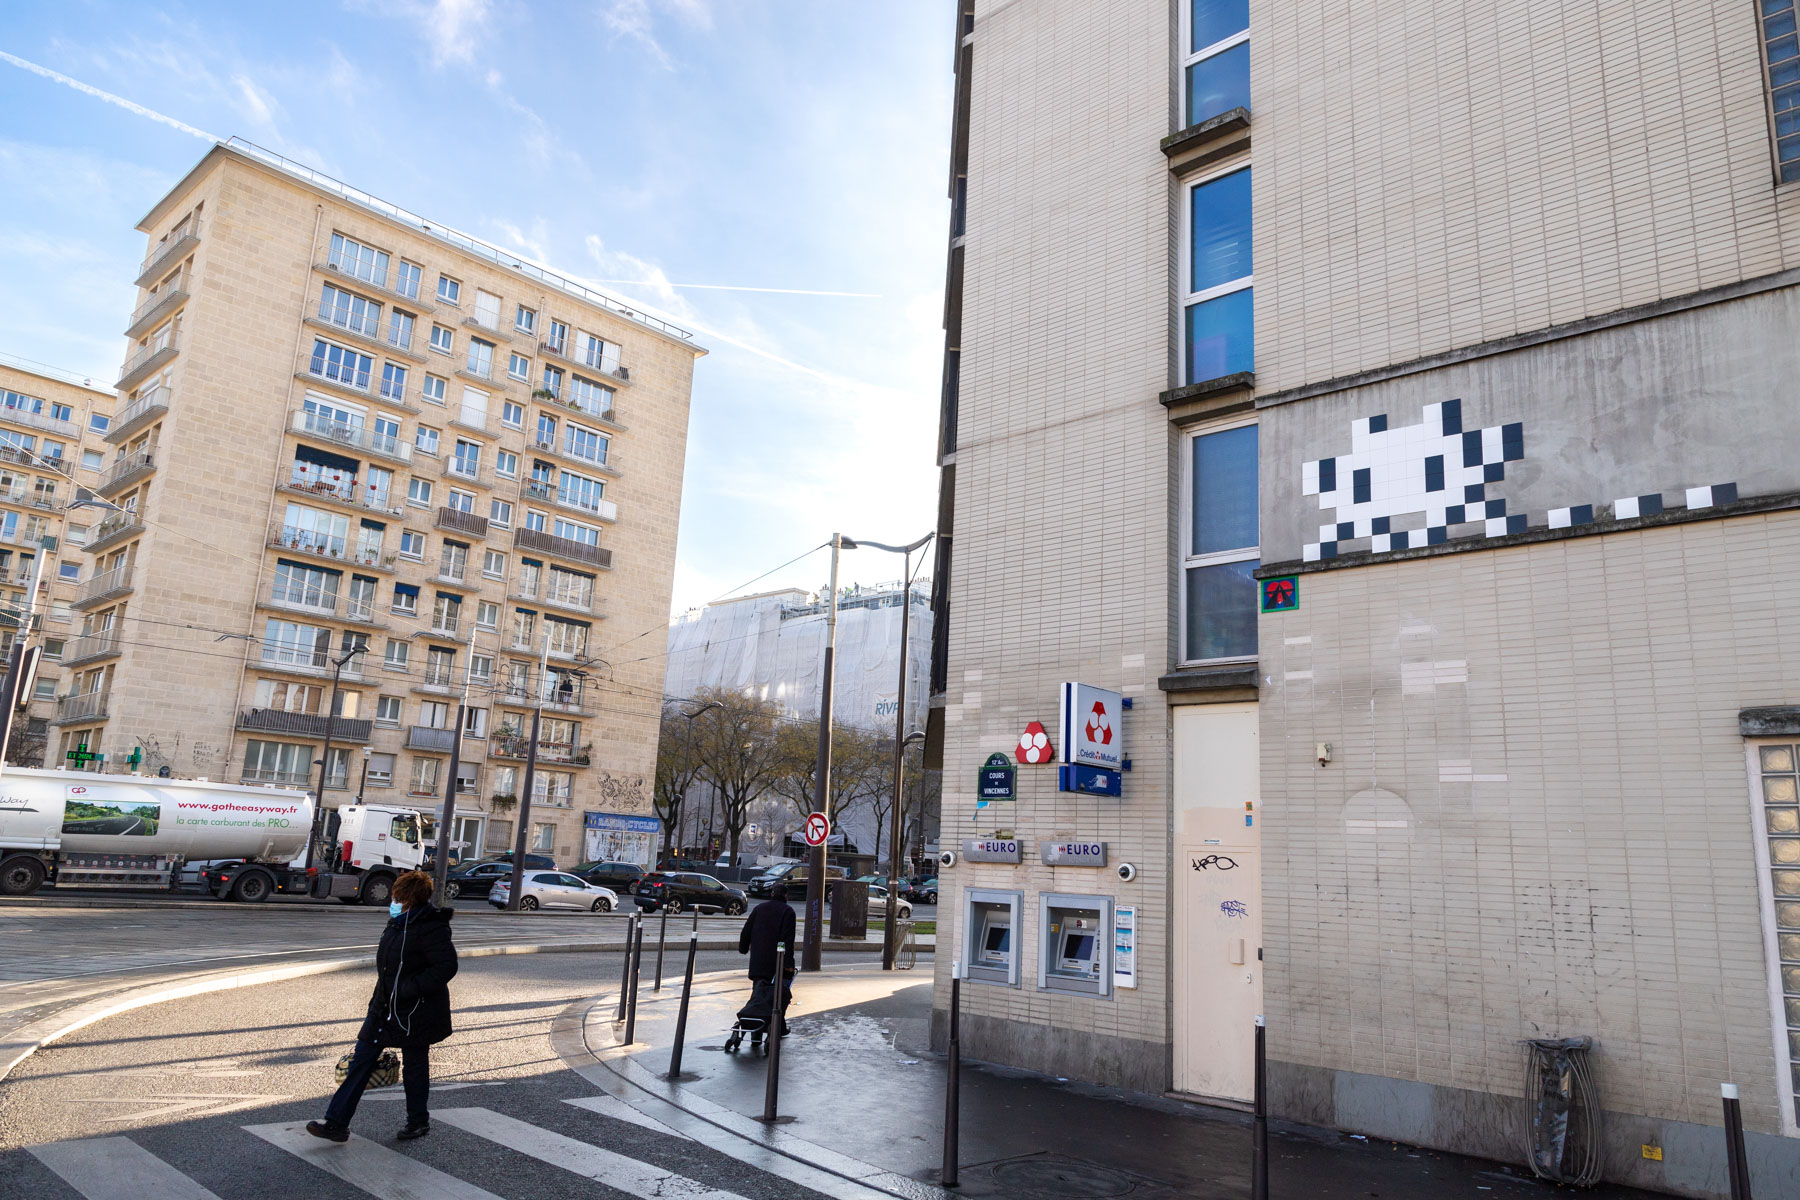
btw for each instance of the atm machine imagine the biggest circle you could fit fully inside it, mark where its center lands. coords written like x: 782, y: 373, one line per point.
x: 991, y: 942
x: 1076, y: 954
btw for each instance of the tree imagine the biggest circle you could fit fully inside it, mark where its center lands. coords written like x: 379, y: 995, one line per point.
x: 881, y: 803
x: 678, y: 765
x: 860, y: 768
x: 736, y: 739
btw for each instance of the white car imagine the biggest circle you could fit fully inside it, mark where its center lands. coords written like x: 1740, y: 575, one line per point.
x: 878, y: 903
x: 555, y: 889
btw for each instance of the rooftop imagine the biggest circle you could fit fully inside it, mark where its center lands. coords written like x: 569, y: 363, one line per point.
x: 46, y: 371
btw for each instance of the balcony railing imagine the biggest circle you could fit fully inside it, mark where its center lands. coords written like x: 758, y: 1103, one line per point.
x: 277, y: 778
x: 116, y: 528
x: 150, y: 313
x: 91, y: 646
x: 19, y: 416
x: 274, y: 720
x: 138, y: 413
x: 311, y: 662
x: 127, y: 471
x: 89, y: 706
x: 358, y: 436
x: 423, y: 737
x: 554, y: 700
x: 462, y: 468
x: 104, y: 586
x: 517, y: 746
x: 336, y: 549
x: 179, y: 242
x: 341, y: 487
x: 573, y: 405
x: 561, y: 547
x: 140, y: 365
x: 462, y: 522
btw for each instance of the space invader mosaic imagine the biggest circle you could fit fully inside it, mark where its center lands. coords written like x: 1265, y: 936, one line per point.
x: 1440, y: 473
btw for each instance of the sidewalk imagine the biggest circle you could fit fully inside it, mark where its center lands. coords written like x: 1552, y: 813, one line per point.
x: 866, y: 1098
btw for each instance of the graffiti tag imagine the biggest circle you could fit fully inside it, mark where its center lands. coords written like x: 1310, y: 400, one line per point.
x: 1233, y: 908
x: 1215, y: 860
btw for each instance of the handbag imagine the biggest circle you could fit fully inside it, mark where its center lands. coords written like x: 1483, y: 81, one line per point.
x: 385, y: 1074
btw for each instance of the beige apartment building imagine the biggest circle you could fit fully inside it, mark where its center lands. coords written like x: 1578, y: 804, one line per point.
x: 359, y: 453
x: 51, y: 426
x: 1395, y: 404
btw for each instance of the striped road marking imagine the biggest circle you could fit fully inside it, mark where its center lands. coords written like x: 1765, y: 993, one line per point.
x: 116, y: 1168
x: 614, y: 1170
x: 608, y: 1106
x: 363, y: 1164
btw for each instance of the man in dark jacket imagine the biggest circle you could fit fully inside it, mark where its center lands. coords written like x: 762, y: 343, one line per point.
x: 769, y: 925
x: 409, y: 1009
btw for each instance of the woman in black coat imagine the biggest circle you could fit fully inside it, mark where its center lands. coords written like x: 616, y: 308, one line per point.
x: 410, y: 1008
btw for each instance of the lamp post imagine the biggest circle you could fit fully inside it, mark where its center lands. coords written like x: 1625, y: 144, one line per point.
x: 670, y: 833
x: 442, y: 866
x: 564, y: 691
x: 890, y: 936
x: 318, y: 821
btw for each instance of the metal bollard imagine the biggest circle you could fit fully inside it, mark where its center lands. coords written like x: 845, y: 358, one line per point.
x: 662, y: 937
x: 687, y: 987
x: 772, y: 1087
x: 1259, y: 1130
x: 625, y: 966
x: 953, y: 1082
x: 1735, y: 1163
x: 637, y: 971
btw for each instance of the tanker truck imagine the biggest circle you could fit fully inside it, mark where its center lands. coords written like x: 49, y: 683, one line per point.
x: 89, y: 830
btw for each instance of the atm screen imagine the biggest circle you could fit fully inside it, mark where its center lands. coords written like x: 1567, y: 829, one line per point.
x: 997, y: 944
x: 1078, y: 951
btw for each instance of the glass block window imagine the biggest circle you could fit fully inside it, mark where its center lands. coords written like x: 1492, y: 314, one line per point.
x: 1781, y: 819
x: 1781, y: 48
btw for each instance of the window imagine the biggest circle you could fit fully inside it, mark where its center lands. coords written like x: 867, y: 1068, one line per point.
x: 519, y: 367
x: 1216, y: 58
x: 288, y: 644
x: 419, y: 492
x: 525, y: 320
x: 315, y: 529
x: 368, y: 542
x: 506, y: 463
x: 536, y: 521
x: 474, y: 408
x: 1781, y: 47
x: 412, y: 544
x: 553, y: 380
x: 426, y: 439
x: 567, y: 638
x: 487, y: 615
x: 487, y: 309
x: 406, y: 599
x: 92, y: 460
x: 602, y: 356
x: 500, y: 513
x: 357, y: 260
x: 99, y: 423
x: 387, y: 710
x: 453, y: 563
x: 308, y: 587
x: 571, y: 587
x: 393, y: 382
x: 552, y: 789
x: 349, y: 311
x: 424, y: 776
x: 543, y: 836
x: 461, y: 501
x: 76, y: 535
x: 341, y: 365
x: 529, y: 573
x: 546, y: 431
x: 433, y: 389
x: 440, y: 667
x: 493, y: 564
x: 53, y: 648
x: 467, y: 461
x: 380, y: 773
x: 475, y: 720
x: 558, y: 341
x: 398, y: 656
x: 468, y: 775
x: 512, y: 413
x: 406, y: 279
x: 524, y: 628
x: 379, y: 482
x: 400, y: 329
x: 449, y: 290
x: 45, y: 690
x: 587, y: 535
x: 69, y: 570
x: 283, y: 696
x: 591, y: 398
x: 1217, y: 323
x: 578, y: 491
x: 1778, y: 796
x: 277, y: 762
x: 481, y: 358
x: 443, y: 339
x: 361, y: 606
x: 446, y: 614
x: 585, y: 443
x: 1220, y: 547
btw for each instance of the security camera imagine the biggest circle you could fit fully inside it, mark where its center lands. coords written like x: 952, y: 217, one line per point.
x: 1127, y: 872
x: 947, y: 859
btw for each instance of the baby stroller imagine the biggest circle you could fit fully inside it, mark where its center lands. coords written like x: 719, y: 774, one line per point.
x: 756, y: 1017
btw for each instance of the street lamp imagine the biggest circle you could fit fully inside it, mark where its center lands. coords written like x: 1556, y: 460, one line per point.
x: 565, y: 692
x: 318, y: 821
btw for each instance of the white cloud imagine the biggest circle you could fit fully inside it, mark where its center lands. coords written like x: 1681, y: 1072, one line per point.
x: 636, y: 21
x: 450, y: 27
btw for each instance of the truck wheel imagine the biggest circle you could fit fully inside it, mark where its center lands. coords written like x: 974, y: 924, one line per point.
x: 377, y: 890
x: 252, y: 887
x: 21, y: 876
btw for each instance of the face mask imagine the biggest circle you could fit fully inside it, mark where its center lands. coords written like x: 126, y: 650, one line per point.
x: 395, y: 908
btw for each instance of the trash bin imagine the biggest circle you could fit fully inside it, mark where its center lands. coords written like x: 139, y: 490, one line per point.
x: 849, y: 910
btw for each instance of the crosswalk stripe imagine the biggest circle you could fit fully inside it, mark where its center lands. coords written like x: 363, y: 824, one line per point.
x: 117, y: 1168
x: 363, y: 1164
x: 604, y: 1166
x: 610, y: 1106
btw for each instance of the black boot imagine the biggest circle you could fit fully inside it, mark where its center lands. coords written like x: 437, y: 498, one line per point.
x: 414, y: 1129
x: 331, y: 1131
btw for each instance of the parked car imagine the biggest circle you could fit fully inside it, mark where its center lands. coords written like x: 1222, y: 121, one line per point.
x: 621, y: 877
x: 795, y: 875
x: 677, y: 891
x: 682, y: 864
x: 878, y: 904
x: 554, y: 889
x: 474, y: 879
x: 925, y: 891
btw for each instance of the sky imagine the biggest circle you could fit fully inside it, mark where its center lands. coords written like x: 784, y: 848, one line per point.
x: 769, y: 149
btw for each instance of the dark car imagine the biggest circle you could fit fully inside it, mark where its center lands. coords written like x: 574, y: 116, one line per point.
x: 924, y: 891
x: 678, y: 891
x: 621, y: 877
x: 794, y: 875
x: 476, y: 879
x: 682, y: 864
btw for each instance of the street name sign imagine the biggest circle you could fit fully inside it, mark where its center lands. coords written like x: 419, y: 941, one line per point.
x: 995, y: 779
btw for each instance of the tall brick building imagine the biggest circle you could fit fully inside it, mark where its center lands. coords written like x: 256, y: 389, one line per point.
x: 355, y: 447
x: 1395, y: 403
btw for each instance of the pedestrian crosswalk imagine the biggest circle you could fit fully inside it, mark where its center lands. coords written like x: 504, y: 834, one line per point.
x: 117, y: 1168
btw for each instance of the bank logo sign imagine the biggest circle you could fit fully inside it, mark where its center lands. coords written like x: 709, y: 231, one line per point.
x: 1090, y: 726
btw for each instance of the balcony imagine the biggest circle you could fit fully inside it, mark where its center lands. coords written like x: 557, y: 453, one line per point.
x: 338, y: 488
x: 606, y: 416
x: 146, y: 362
x: 116, y: 529
x: 89, y: 706
x: 161, y: 257
x: 423, y: 737
x: 271, y: 777
x: 376, y: 341
x: 570, y: 603
x: 151, y: 312
x: 318, y: 664
x: 127, y: 471
x: 273, y: 720
x: 457, y: 520
x: 600, y: 510
x: 335, y: 550
x: 574, y: 703
x: 138, y: 414
x: 517, y: 746
x: 356, y: 436
x: 460, y: 470
x: 25, y: 458
x: 92, y: 647
x: 18, y: 416
x: 486, y: 330
x: 567, y: 549
x: 106, y: 586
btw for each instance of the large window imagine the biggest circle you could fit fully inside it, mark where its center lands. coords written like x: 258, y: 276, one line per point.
x: 1781, y: 43
x: 584, y: 443
x: 308, y: 587
x: 289, y: 644
x: 277, y: 762
x: 358, y: 261
x: 341, y: 365
x: 579, y: 491
x: 589, y: 397
x: 1216, y: 58
x: 1220, y: 545
x: 570, y: 587
x: 315, y: 529
x: 1218, y: 330
x: 350, y: 311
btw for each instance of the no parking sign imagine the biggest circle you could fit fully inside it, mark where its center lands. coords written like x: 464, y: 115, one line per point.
x: 818, y: 828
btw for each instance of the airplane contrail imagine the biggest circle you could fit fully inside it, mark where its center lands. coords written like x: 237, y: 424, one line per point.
x: 120, y: 101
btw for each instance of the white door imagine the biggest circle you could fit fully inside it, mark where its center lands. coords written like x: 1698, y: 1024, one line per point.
x: 474, y: 408
x: 1217, y: 933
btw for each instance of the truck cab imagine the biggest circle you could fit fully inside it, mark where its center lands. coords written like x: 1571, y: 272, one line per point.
x: 373, y: 844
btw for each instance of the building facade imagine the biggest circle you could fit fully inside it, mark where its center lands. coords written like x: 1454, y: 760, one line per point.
x: 51, y: 429
x: 360, y: 455
x: 1394, y: 406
